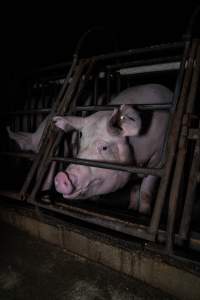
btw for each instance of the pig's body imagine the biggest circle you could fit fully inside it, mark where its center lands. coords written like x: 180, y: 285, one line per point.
x: 147, y: 145
x: 120, y: 136
x: 123, y: 136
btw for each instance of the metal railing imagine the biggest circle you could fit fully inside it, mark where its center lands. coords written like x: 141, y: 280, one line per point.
x: 67, y: 102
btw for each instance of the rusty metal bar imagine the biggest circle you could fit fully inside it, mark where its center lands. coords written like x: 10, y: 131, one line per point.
x: 112, y: 166
x: 181, y: 155
x: 47, y: 131
x: 176, y: 96
x: 190, y: 195
x: 173, y: 139
x: 193, y: 241
x: 54, y: 141
x: 103, y: 220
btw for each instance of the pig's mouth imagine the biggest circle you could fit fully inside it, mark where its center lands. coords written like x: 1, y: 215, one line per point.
x: 84, y: 192
x: 67, y: 185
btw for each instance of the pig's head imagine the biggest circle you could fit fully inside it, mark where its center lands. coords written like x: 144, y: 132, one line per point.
x: 103, y: 138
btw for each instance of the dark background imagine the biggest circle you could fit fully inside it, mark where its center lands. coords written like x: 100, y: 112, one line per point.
x: 35, y: 35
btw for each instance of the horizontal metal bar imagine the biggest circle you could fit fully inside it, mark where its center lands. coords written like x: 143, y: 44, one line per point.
x: 26, y: 112
x: 129, y: 52
x: 112, y: 166
x: 193, y: 241
x: 103, y: 220
x: 50, y: 68
x: 165, y: 61
x: 18, y: 155
x: 153, y: 106
x: 96, y: 218
x: 154, y: 48
x: 173, y: 66
x: 10, y: 194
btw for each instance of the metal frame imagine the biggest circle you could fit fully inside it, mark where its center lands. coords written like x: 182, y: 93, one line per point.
x: 79, y: 74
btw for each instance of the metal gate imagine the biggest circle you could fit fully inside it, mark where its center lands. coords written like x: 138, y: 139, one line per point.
x: 175, y: 64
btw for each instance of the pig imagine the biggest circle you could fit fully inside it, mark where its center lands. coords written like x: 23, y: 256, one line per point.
x: 122, y: 136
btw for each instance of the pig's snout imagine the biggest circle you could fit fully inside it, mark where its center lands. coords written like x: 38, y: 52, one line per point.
x: 63, y: 183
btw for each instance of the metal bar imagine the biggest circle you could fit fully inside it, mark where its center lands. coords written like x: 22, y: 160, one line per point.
x: 133, y: 229
x: 11, y: 195
x: 172, y: 140
x: 193, y: 240
x: 98, y: 219
x: 147, y: 62
x: 190, y: 195
x: 47, y: 111
x: 152, y: 106
x: 176, y: 96
x: 96, y: 87
x: 54, y: 140
x: 181, y: 156
x: 112, y: 166
x: 154, y: 48
x: 46, y: 133
x: 18, y: 154
x: 51, y: 68
x: 130, y: 52
x: 26, y: 112
x: 150, y: 69
x: 108, y: 86
x: 176, y: 184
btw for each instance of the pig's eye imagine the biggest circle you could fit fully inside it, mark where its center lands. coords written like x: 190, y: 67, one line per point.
x: 104, y: 148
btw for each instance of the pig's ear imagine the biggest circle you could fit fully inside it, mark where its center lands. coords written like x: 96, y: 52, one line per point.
x: 129, y: 120
x: 69, y: 123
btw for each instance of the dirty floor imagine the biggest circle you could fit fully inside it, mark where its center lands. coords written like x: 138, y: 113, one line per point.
x: 31, y: 269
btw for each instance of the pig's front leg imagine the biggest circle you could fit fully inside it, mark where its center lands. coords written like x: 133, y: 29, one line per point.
x: 142, y: 195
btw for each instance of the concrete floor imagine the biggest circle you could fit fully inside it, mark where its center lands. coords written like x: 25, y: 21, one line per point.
x: 32, y: 269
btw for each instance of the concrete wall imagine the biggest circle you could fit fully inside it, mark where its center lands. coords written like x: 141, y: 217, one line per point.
x: 135, y: 262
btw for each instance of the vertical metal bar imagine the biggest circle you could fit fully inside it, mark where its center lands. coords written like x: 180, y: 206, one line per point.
x: 46, y: 133
x: 118, y: 82
x: 172, y: 144
x: 190, y: 195
x: 107, y: 87
x: 180, y: 162
x: 54, y: 141
x: 96, y: 88
x: 189, y: 200
x: 176, y: 97
x: 175, y: 189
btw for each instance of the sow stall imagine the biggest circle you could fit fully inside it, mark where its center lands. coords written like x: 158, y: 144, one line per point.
x: 86, y: 86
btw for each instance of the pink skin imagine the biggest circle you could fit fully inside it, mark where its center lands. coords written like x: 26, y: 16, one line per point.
x: 102, y: 140
x: 80, y: 182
